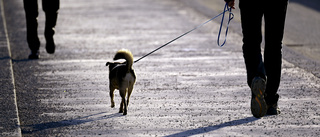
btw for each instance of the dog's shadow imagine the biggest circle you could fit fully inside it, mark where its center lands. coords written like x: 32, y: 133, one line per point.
x: 203, y: 130
x: 29, y: 129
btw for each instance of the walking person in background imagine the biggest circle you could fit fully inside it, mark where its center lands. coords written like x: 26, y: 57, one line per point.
x: 263, y: 76
x: 50, y: 7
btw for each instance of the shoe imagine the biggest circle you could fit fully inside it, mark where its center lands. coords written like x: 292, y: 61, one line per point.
x: 258, y: 104
x: 50, y: 46
x: 34, y: 55
x: 273, y: 109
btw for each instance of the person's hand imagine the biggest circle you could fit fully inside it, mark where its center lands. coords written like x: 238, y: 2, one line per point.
x: 230, y: 3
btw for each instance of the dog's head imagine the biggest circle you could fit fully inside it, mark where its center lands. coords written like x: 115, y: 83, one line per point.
x: 113, y: 64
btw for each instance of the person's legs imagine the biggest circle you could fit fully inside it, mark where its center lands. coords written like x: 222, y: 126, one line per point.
x: 31, y: 12
x: 274, y: 28
x: 251, y: 18
x: 50, y: 7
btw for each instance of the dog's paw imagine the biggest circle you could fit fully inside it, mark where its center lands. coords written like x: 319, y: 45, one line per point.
x: 125, y: 112
x: 121, y: 110
x: 112, y: 104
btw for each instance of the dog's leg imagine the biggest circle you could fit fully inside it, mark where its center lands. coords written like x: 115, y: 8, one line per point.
x: 112, y: 96
x: 129, y: 93
x: 123, y: 106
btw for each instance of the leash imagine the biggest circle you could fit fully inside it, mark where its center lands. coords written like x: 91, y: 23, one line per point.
x: 231, y: 15
x: 226, y: 9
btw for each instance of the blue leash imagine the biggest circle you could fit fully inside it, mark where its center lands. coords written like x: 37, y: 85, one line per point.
x: 231, y: 15
x: 226, y: 9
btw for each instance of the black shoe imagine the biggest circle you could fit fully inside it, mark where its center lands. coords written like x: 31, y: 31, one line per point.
x: 273, y: 109
x: 34, y: 55
x: 50, y: 46
x: 258, y: 104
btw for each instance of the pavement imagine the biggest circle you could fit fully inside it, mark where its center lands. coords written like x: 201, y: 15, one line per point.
x: 192, y: 87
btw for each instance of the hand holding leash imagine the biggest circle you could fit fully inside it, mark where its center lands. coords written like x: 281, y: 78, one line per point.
x: 230, y: 3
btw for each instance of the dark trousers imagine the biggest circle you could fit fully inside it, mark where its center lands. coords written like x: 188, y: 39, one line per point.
x: 50, y: 7
x: 274, y: 13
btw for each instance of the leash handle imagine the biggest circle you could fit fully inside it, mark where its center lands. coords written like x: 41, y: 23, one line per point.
x: 231, y: 15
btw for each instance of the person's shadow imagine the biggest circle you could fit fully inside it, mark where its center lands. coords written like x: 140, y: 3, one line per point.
x: 202, y: 130
x: 29, y: 129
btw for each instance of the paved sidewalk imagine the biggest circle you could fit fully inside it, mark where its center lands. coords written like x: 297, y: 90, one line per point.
x: 190, y: 88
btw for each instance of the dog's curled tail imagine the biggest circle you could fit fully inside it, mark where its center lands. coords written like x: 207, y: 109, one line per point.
x: 127, y: 55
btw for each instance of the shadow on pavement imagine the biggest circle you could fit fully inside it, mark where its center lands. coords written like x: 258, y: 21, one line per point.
x: 29, y: 129
x: 202, y: 130
x: 4, y: 58
x: 23, y: 60
x: 16, y: 60
x: 314, y: 4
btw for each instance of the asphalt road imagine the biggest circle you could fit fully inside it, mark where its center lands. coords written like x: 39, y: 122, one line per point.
x: 190, y: 88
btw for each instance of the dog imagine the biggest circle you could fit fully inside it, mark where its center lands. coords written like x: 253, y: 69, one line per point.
x: 121, y: 77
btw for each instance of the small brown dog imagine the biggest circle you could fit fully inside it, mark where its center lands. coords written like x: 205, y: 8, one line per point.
x: 122, y: 77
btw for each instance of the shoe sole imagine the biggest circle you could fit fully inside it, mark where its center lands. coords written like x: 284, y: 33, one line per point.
x: 258, y: 104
